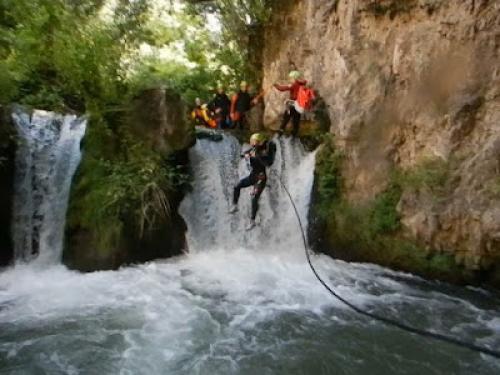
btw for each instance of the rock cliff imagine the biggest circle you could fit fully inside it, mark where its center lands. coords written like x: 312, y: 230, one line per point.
x: 411, y: 89
x: 7, y: 165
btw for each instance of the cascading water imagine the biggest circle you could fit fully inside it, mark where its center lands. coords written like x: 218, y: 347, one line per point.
x: 47, y: 157
x: 218, y: 167
x: 240, y: 302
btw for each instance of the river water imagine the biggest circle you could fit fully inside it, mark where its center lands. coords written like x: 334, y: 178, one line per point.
x: 240, y: 302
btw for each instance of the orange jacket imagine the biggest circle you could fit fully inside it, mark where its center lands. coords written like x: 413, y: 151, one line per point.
x: 293, y: 88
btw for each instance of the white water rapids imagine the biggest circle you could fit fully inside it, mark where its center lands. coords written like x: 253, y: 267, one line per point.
x: 240, y: 302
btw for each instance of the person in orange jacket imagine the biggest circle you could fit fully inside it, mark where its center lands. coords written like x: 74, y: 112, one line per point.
x: 201, y: 115
x: 291, y: 112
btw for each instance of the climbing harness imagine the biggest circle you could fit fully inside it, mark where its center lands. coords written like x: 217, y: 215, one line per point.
x: 388, y: 321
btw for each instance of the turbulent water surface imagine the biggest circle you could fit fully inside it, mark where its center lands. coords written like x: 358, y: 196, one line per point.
x: 240, y: 302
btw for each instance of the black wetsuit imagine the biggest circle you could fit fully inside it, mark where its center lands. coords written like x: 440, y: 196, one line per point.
x: 222, y: 102
x: 291, y: 113
x: 257, y: 177
x: 243, y: 105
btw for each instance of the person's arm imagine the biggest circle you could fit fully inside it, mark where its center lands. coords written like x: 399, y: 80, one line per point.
x: 247, y: 152
x: 257, y: 97
x: 282, y: 87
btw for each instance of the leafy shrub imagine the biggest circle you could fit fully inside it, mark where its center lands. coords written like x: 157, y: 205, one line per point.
x: 328, y: 177
x: 130, y: 189
x: 384, y: 217
x: 431, y: 175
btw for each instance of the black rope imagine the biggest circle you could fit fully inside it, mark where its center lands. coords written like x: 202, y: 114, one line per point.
x: 388, y: 321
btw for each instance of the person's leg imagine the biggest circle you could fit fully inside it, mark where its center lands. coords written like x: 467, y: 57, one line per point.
x: 242, y: 121
x: 258, y: 189
x: 295, y: 121
x: 227, y: 122
x: 220, y: 121
x: 286, y: 119
x: 244, y: 183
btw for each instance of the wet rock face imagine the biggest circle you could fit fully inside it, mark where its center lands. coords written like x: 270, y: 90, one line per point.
x: 404, y: 82
x: 7, y: 165
x: 158, y: 116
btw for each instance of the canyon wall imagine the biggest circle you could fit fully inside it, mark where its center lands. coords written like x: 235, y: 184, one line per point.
x: 411, y: 89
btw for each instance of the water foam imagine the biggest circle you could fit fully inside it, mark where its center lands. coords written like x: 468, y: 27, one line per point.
x: 239, y: 303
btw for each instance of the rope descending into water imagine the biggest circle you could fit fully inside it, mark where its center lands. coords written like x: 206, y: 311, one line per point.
x: 388, y: 321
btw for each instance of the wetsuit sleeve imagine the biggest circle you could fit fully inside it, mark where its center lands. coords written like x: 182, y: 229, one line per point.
x: 212, y: 104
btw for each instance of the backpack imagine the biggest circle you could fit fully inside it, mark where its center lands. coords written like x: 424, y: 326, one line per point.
x: 305, y: 98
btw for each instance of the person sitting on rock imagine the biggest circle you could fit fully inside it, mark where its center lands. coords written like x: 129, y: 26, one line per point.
x: 202, y: 116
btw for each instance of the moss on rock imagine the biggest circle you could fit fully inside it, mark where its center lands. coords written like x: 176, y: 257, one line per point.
x: 125, y: 196
x: 371, y: 231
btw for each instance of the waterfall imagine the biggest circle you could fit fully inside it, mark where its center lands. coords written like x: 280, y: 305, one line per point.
x: 217, y: 168
x: 240, y: 302
x: 47, y: 157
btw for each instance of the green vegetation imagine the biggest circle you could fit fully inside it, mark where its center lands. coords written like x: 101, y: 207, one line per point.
x: 383, y: 215
x: 328, y: 177
x: 241, y: 36
x: 55, y: 54
x: 93, y: 57
x: 370, y: 231
x: 431, y: 175
x: 134, y: 187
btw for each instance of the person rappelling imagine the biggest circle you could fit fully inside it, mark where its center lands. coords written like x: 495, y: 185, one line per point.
x: 300, y: 100
x: 260, y: 156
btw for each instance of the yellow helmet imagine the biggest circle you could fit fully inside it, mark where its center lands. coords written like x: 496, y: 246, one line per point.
x: 295, y: 74
x: 258, y: 138
x: 243, y: 84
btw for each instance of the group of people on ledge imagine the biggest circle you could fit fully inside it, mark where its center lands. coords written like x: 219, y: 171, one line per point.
x: 225, y: 113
